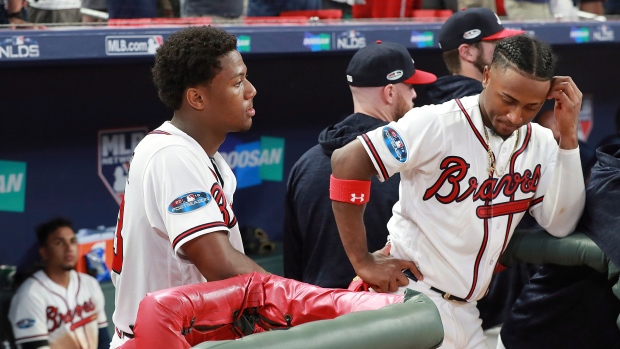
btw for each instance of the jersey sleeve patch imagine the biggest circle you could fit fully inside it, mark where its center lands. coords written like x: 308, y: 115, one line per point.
x: 395, y: 144
x: 189, y: 202
x: 25, y: 323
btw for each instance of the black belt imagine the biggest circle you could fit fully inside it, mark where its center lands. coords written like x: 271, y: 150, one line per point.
x: 122, y: 334
x: 445, y: 295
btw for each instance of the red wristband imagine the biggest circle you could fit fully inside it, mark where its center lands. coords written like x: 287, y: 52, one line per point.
x: 349, y: 190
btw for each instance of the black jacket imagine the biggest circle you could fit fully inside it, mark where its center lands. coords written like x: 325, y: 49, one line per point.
x: 313, y: 251
x: 574, y: 307
x: 449, y: 87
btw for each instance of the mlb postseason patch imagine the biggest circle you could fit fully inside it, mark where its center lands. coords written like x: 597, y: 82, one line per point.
x: 25, y: 323
x: 395, y: 144
x: 189, y: 202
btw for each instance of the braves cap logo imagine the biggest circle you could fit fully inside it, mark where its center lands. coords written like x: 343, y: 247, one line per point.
x: 395, y: 144
x: 189, y: 202
x: 471, y: 34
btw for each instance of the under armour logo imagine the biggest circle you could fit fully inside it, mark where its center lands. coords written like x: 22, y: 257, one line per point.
x: 360, y: 198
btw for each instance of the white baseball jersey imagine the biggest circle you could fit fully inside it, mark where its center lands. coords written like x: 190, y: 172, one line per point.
x: 454, y: 217
x: 174, y: 194
x: 67, y: 318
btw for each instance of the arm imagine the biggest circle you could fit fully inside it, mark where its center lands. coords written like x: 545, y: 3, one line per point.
x: 216, y: 258
x: 15, y: 6
x: 565, y: 197
x: 381, y: 271
x: 28, y: 310
x: 292, y: 242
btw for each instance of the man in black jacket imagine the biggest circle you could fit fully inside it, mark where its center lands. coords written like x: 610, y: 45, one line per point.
x: 381, y: 77
x: 467, y: 40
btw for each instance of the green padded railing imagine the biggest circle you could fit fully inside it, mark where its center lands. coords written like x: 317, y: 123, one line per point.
x: 414, y: 324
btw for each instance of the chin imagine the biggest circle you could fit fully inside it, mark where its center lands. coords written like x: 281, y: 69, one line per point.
x: 68, y: 267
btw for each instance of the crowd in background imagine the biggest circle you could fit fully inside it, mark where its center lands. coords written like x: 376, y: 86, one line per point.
x: 16, y: 12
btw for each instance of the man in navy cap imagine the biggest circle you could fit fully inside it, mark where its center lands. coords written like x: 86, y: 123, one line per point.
x: 467, y: 40
x: 381, y: 77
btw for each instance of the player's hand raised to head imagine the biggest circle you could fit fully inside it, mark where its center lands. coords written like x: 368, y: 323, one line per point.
x: 384, y: 273
x: 567, y: 107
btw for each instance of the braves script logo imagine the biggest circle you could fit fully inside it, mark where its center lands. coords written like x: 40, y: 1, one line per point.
x: 220, y: 199
x: 57, y: 318
x: 455, y: 171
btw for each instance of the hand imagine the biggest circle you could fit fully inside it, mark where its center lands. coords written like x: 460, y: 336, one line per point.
x: 566, y: 111
x: 384, y: 273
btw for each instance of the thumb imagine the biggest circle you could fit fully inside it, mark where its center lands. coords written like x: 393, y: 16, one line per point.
x: 413, y: 268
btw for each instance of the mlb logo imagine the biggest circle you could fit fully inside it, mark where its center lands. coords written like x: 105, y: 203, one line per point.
x: 191, y: 197
x: 18, y: 40
x: 158, y: 39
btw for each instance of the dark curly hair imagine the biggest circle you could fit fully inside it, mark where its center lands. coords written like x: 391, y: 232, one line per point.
x: 530, y: 56
x: 45, y: 229
x: 188, y: 58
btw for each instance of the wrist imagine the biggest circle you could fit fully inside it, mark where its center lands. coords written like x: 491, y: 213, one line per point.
x: 17, y: 15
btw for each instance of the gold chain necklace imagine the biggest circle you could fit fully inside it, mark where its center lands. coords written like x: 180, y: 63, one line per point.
x: 492, y: 165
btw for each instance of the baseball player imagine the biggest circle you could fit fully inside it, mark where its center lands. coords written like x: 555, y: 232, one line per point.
x: 57, y: 307
x: 312, y: 249
x: 469, y: 168
x: 176, y: 225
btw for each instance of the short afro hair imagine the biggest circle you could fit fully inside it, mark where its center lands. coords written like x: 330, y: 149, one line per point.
x: 45, y: 229
x: 528, y: 55
x: 188, y: 58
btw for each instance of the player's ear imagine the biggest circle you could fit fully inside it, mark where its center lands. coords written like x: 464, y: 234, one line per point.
x: 485, y: 76
x: 195, y: 98
x: 387, y: 93
x: 466, y: 52
x: 43, y: 253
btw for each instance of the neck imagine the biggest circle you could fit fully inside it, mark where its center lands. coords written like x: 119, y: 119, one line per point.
x: 59, y: 276
x: 368, y: 101
x: 208, y: 137
x: 469, y: 70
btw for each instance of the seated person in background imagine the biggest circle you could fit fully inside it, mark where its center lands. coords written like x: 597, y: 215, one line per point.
x: 216, y: 9
x: 574, y: 307
x: 54, y: 11
x: 313, y: 252
x: 266, y: 8
x: 467, y: 40
x: 614, y: 138
x: 57, y: 307
x: 470, y: 169
x: 519, y: 10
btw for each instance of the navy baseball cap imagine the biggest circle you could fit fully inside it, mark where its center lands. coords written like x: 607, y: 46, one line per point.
x: 384, y: 63
x: 472, y: 25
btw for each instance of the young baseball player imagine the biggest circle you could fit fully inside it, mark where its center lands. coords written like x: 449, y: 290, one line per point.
x: 469, y: 168
x: 57, y: 307
x: 176, y: 225
x: 312, y: 249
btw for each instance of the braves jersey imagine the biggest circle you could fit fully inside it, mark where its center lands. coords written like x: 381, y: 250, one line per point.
x: 455, y: 217
x: 67, y: 318
x: 174, y: 194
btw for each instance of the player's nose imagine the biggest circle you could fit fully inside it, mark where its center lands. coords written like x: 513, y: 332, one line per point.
x: 515, y: 116
x: 251, y: 90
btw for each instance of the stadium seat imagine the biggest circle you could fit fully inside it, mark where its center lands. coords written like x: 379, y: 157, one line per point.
x: 271, y: 20
x: 320, y: 14
x: 443, y: 13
